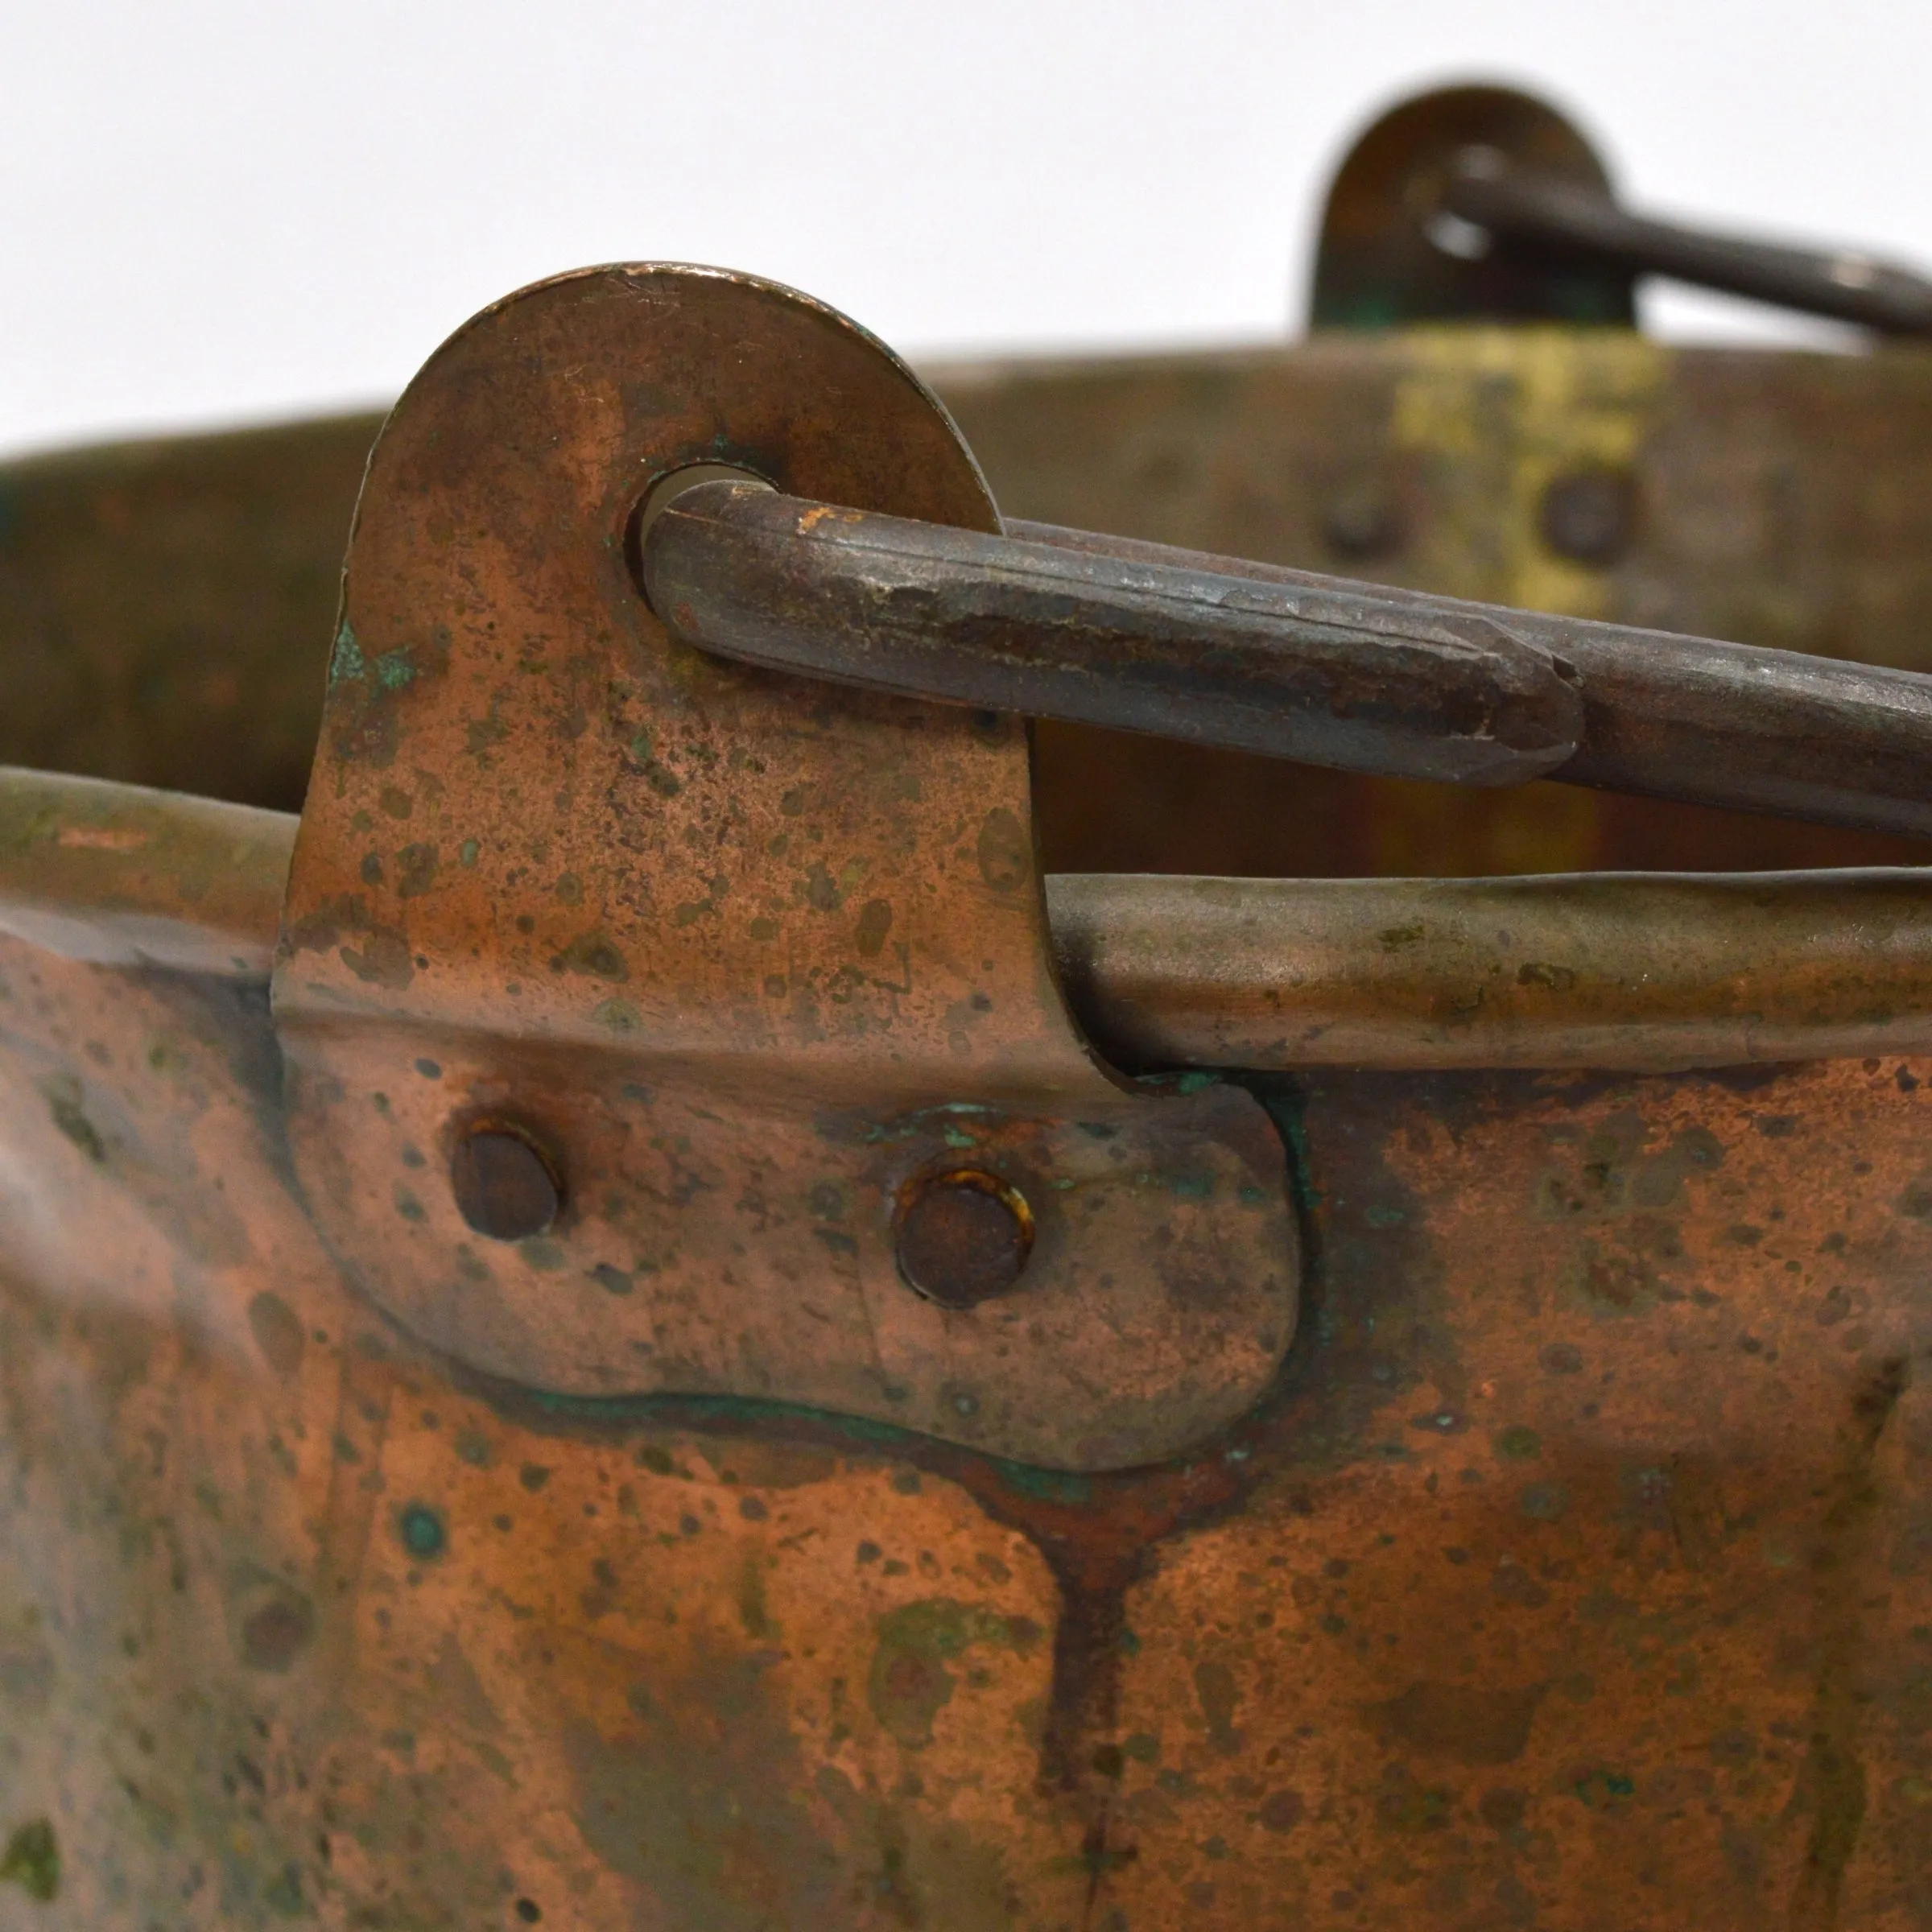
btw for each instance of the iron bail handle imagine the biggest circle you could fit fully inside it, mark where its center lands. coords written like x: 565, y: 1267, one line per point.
x: 1219, y: 650
x: 1520, y: 211
x: 1335, y: 676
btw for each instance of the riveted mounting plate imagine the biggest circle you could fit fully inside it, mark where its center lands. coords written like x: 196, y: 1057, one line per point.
x: 745, y: 956
x: 1388, y: 256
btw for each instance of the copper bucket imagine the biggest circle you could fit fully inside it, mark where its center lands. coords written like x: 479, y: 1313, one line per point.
x: 1569, y: 1569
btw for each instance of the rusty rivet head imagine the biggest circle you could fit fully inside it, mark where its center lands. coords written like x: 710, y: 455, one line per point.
x: 1589, y: 515
x: 963, y: 1237
x: 1362, y: 521
x: 506, y: 1186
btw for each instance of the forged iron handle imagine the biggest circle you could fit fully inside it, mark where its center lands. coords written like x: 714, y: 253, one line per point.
x: 1337, y: 676
x: 1698, y: 719
x: 1518, y: 210
x: 1138, y: 637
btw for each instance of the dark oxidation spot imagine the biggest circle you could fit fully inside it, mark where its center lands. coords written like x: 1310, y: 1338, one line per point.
x: 63, y: 1102
x: 1406, y: 1805
x: 909, y: 1683
x: 278, y: 1629
x: 1616, y: 1283
x: 383, y: 959
x: 1280, y: 1811
x: 1502, y: 1809
x: 1601, y: 1789
x: 277, y: 1331
x: 1214, y: 1689
x: 32, y: 1861
x: 1557, y: 979
x: 1005, y: 852
x: 875, y: 921
x: 593, y: 954
x: 416, y: 868
x: 423, y: 1531
x: 1473, y: 1723
x: 822, y: 893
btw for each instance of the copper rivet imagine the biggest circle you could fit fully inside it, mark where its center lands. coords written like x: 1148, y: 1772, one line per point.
x: 1362, y: 521
x: 505, y: 1185
x: 1589, y: 515
x: 963, y: 1236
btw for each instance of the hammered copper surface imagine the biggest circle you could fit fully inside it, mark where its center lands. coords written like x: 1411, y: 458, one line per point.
x: 1577, y: 1572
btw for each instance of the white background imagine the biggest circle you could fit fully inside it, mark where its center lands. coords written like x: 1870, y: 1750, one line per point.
x: 224, y: 210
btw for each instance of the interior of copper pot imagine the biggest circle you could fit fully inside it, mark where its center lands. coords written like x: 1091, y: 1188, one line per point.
x: 166, y: 607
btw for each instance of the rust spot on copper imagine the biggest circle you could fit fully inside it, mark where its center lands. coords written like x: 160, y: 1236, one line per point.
x: 507, y: 1187
x: 963, y: 1236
